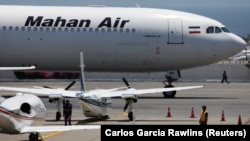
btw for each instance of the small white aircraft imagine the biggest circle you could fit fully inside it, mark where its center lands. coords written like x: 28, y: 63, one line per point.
x: 19, y: 113
x: 95, y: 103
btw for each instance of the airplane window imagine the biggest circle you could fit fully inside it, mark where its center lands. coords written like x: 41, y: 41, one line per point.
x: 210, y: 29
x: 103, y: 29
x: 109, y: 30
x: 72, y: 29
x: 16, y: 28
x: 217, y: 30
x: 121, y: 30
x: 47, y: 28
x: 29, y: 28
x: 96, y: 30
x: 41, y: 28
x: 115, y: 30
x: 10, y: 28
x: 60, y: 29
x: 78, y: 29
x: 90, y: 29
x: 225, y: 29
x: 4, y: 28
x: 133, y: 30
x: 23, y: 28
x: 35, y: 28
x: 53, y: 29
x: 66, y: 29
x: 84, y: 29
x: 127, y: 30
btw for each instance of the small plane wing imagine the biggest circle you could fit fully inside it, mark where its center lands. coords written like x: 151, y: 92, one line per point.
x: 41, y: 129
x: 16, y: 68
x: 51, y: 92
x: 145, y: 91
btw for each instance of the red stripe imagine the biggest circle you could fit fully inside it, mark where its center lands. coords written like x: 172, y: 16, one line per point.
x: 194, y: 32
x: 15, y: 115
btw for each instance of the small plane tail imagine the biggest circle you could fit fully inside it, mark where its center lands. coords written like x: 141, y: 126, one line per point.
x: 82, y: 77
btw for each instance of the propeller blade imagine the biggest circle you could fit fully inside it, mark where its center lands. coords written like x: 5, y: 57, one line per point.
x: 126, y: 82
x: 70, y: 85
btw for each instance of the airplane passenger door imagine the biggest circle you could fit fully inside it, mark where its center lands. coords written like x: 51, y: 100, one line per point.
x: 175, y: 31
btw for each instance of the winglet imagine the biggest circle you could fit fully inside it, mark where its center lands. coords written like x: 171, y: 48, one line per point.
x: 82, y: 78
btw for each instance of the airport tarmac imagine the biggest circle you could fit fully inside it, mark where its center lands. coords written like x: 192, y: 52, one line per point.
x: 225, y: 103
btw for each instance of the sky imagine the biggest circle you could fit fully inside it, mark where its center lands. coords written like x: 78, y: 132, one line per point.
x: 234, y: 14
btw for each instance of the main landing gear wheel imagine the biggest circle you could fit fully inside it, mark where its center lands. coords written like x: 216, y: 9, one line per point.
x: 130, y: 116
x: 34, y: 136
x: 58, y: 116
x: 170, y: 94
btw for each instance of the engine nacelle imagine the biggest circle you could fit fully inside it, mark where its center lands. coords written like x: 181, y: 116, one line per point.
x: 25, y: 108
x: 128, y: 96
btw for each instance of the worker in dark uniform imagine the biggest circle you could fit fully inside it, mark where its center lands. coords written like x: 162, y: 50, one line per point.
x: 67, y: 112
x: 204, y: 116
x: 224, y: 77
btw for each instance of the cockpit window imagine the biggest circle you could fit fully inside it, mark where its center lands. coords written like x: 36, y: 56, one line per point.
x: 225, y: 29
x: 217, y: 30
x: 210, y: 29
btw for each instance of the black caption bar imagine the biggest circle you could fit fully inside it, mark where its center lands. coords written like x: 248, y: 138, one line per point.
x: 163, y: 132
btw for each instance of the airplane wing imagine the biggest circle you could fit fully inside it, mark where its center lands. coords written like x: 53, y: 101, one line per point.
x: 56, y: 92
x: 16, y: 68
x: 42, y: 91
x: 133, y: 91
x: 40, y: 129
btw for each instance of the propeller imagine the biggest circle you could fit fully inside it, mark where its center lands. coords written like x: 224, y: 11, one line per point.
x: 70, y: 85
x: 126, y: 82
x: 128, y: 101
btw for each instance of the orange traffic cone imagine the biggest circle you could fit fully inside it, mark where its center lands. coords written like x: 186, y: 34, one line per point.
x: 192, y: 113
x: 223, y: 116
x: 239, y: 120
x: 169, y: 113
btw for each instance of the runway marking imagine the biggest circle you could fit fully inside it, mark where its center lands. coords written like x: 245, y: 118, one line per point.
x: 51, y: 134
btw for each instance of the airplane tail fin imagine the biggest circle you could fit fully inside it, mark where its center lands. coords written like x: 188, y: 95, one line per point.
x: 82, y: 77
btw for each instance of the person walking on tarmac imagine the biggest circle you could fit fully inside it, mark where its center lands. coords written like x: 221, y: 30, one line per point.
x: 204, y: 116
x: 224, y: 77
x: 67, y: 112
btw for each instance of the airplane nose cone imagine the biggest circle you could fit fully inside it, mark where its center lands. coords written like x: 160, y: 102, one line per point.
x: 238, y: 42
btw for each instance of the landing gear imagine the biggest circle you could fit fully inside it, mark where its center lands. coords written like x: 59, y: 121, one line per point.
x: 58, y: 115
x: 35, y: 136
x: 170, y: 94
x: 130, y: 116
x: 171, y: 76
x: 128, y: 105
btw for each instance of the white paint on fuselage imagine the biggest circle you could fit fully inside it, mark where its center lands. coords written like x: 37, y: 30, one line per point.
x: 144, y: 43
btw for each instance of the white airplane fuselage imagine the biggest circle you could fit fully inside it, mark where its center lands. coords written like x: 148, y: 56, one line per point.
x: 112, y: 39
x: 14, y: 115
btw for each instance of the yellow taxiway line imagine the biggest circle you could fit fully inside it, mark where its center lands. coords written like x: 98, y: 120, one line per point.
x: 51, y: 134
